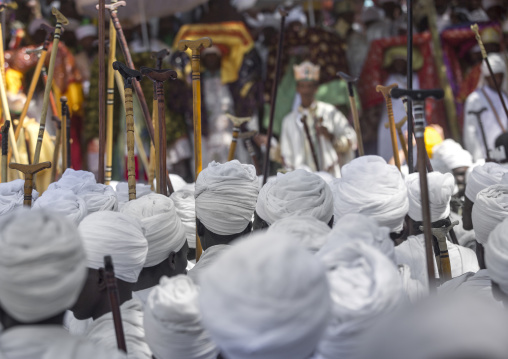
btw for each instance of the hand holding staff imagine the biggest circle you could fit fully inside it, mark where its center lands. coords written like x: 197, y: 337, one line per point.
x: 385, y: 90
x: 29, y: 171
x: 352, y: 102
x: 114, y: 302
x: 5, y: 148
x: 237, y: 122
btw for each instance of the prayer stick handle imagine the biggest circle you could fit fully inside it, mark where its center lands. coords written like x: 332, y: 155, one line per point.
x: 114, y: 301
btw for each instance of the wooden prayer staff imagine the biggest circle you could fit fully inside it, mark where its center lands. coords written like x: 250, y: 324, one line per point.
x: 352, y: 102
x: 29, y: 171
x: 114, y: 302
x: 128, y: 76
x: 52, y: 101
x: 385, y: 90
x: 418, y: 97
x: 444, y: 266
x: 63, y: 133
x: 237, y: 122
x: 60, y: 20
x: 102, y: 91
x: 5, y: 149
x: 398, y: 126
x: 478, y: 115
x: 247, y: 137
x: 309, y: 140
x: 56, y: 152
x: 266, y: 164
x: 158, y: 77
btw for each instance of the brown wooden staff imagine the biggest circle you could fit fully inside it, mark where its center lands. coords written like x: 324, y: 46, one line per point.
x: 352, y: 102
x: 64, y: 135
x: 237, y: 122
x: 56, y: 152
x: 102, y: 91
x: 385, y: 90
x: 114, y: 302
x: 247, y: 140
x: 29, y: 171
x: 402, y: 139
x: 309, y: 140
x: 52, y: 101
x: 5, y: 149
x: 129, y: 75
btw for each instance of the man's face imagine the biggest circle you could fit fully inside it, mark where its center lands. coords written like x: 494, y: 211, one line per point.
x: 499, y: 80
x: 86, y: 302
x: 307, y: 91
x: 460, y: 178
x: 181, y: 260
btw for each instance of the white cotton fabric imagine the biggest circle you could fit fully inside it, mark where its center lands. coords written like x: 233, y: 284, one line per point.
x: 449, y: 155
x: 295, y: 193
x: 259, y: 303
x: 226, y: 196
x: 496, y: 63
x: 163, y: 228
x: 73, y: 180
x: 172, y: 321
x: 490, y: 209
x: 12, y: 195
x: 99, y: 197
x: 208, y: 257
x: 118, y: 235
x: 63, y: 201
x: 42, y: 265
x: 307, y: 231
x: 496, y: 256
x: 364, y: 285
x: 441, y: 188
x: 374, y: 188
x: 177, y: 182
x: 122, y: 191
x: 185, y: 207
x: 484, y: 176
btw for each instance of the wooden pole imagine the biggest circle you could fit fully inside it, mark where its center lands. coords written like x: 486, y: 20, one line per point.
x: 5, y: 147
x: 29, y: 171
x: 385, y: 90
x: 237, y: 123
x: 352, y: 102
x: 102, y: 92
x: 63, y: 134
x: 303, y: 120
x: 56, y: 152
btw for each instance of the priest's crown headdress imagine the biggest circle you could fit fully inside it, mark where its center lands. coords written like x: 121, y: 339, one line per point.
x: 306, y: 71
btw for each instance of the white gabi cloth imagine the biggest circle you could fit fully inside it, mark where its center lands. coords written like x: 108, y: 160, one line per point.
x: 12, y: 195
x: 496, y: 256
x: 449, y: 155
x: 63, y: 201
x: 122, y: 191
x: 185, y: 207
x: 490, y: 209
x: 208, y: 257
x: 73, y: 180
x: 99, y: 197
x: 484, y: 176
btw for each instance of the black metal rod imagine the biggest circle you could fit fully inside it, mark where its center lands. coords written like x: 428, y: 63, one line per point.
x: 409, y: 159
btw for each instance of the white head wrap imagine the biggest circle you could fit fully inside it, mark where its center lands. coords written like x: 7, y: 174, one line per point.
x: 185, y: 206
x: 449, y: 155
x: 73, y: 180
x: 163, y: 229
x: 295, y: 193
x: 275, y: 315
x: 482, y: 177
x: 12, y: 195
x: 364, y: 284
x: 42, y: 265
x: 440, y: 192
x: 490, y: 208
x: 85, y: 31
x: 172, y: 321
x: 99, y: 197
x: 496, y: 62
x: 118, y: 235
x: 496, y: 255
x: 226, y: 196
x: 122, y: 191
x: 374, y: 188
x: 63, y: 201
x: 307, y: 231
x: 177, y: 182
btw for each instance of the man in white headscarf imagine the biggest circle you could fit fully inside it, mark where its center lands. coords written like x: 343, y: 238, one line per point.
x: 412, y: 250
x: 42, y: 270
x: 167, y: 244
x: 261, y: 306
x: 121, y: 237
x: 494, y: 119
x: 374, y: 188
x: 122, y: 192
x: 294, y: 193
x: 12, y: 195
x: 172, y: 321
x: 185, y: 207
x: 63, y: 201
x: 496, y: 259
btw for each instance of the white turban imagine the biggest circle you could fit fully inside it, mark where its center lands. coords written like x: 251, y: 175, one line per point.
x: 177, y: 182
x: 490, y: 209
x: 374, y: 188
x: 185, y: 206
x: 73, y: 180
x: 265, y: 298
x: 355, y: 227
x: 172, y: 321
x: 496, y: 255
x: 118, y: 235
x: 364, y: 285
x: 295, y: 193
x: 226, y: 196
x: 122, y: 191
x: 306, y: 230
x: 63, y: 201
x: 449, y: 155
x: 496, y: 63
x: 163, y: 229
x: 440, y: 192
x: 42, y: 265
x: 99, y: 197
x: 12, y: 195
x: 482, y: 177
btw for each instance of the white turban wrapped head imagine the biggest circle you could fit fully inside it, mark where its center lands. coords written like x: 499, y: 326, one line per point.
x: 73, y: 180
x: 99, y: 197
x: 482, y: 177
x: 122, y: 191
x: 490, y: 209
x: 496, y: 63
x: 42, y: 265
x: 226, y: 197
x: 496, y: 255
x: 63, y: 201
x: 265, y: 298
x: 118, y: 235
x: 449, y: 155
x: 12, y: 195
x: 306, y: 230
x: 374, y: 188
x: 295, y: 193
x: 172, y: 321
x: 163, y: 229
x: 185, y: 206
x: 440, y: 192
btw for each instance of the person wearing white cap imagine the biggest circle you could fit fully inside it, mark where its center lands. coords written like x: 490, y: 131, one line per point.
x: 496, y: 259
x: 42, y: 271
x: 172, y: 321
x: 122, y: 192
x: 412, y: 250
x: 12, y: 196
x: 63, y: 201
x: 167, y: 244
x: 494, y: 119
x: 374, y: 188
x: 185, y: 207
x: 329, y: 130
x: 121, y: 237
x: 271, y: 305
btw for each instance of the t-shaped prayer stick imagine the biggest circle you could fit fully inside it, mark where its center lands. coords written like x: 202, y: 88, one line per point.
x: 352, y: 102
x: 478, y: 115
x: 398, y: 126
x: 237, y: 122
x: 29, y: 171
x: 385, y: 90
